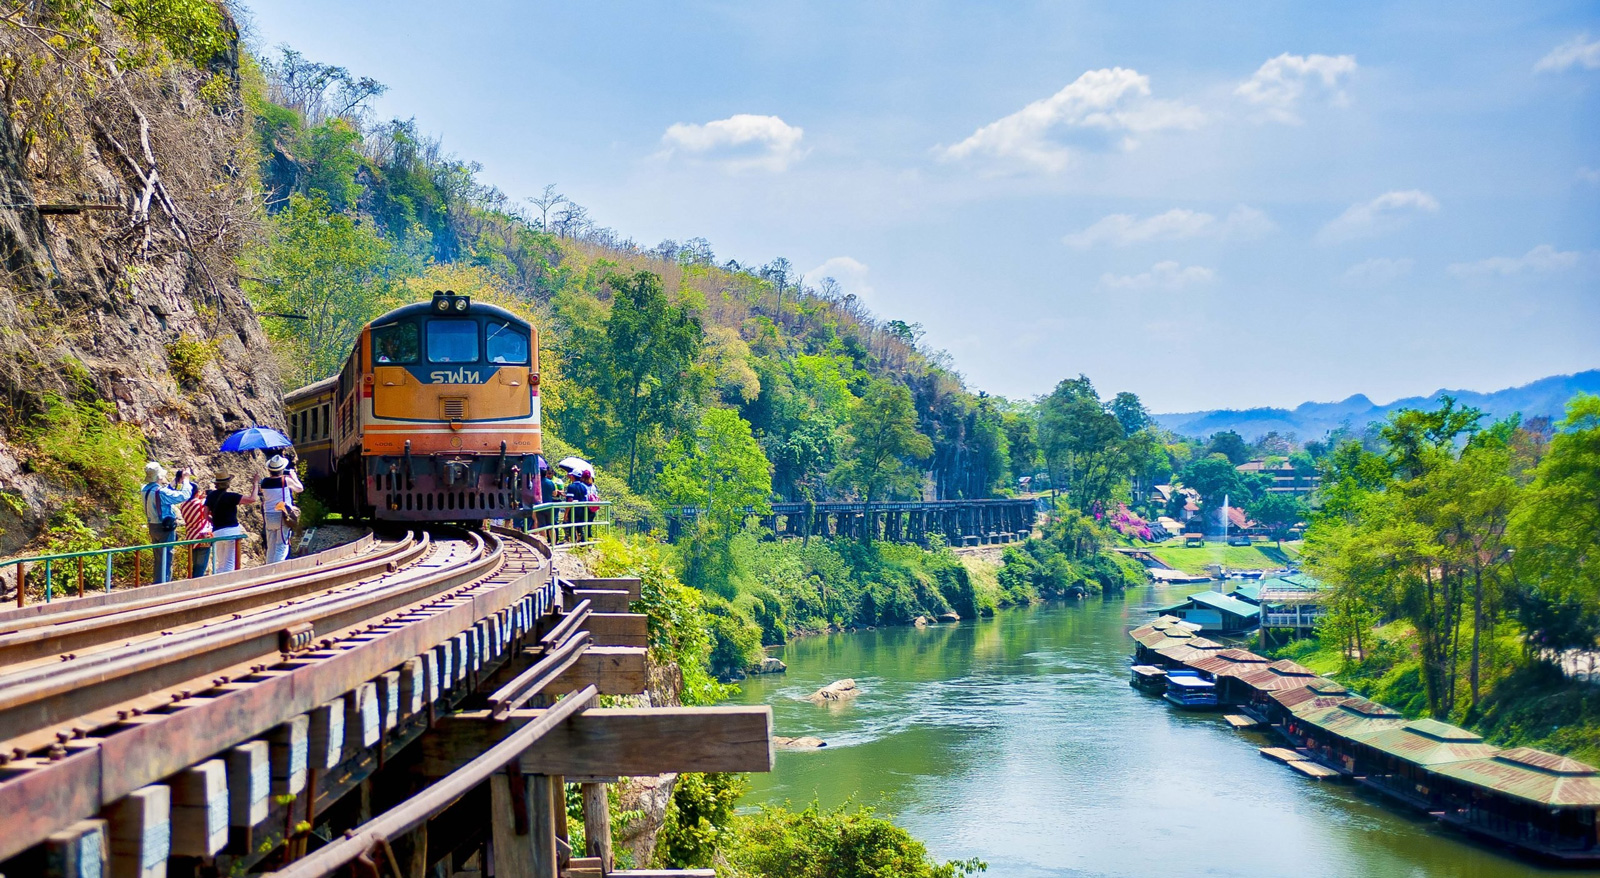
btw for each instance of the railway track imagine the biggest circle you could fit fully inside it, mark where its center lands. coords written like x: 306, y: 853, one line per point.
x: 98, y: 699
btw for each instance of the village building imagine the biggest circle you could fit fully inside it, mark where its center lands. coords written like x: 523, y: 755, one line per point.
x: 1216, y: 612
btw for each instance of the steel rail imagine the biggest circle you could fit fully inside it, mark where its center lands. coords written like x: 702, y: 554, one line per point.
x: 571, y: 621
x: 50, y: 637
x: 530, y: 682
x: 416, y: 810
x: 41, y: 697
x: 86, y: 773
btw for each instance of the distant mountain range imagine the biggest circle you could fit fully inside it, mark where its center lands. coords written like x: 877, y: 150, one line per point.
x: 1311, y: 420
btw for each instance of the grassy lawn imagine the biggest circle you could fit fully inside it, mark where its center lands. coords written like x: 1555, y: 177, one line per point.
x: 1262, y: 556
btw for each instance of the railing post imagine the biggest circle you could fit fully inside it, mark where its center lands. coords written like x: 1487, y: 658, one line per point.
x: 236, y: 541
x: 80, y: 576
x: 49, y: 582
x: 22, y: 583
x: 109, y: 557
x: 138, y: 559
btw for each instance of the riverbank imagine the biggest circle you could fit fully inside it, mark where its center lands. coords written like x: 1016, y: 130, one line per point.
x: 1016, y: 739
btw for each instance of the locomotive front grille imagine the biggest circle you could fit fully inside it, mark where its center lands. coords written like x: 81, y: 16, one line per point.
x: 453, y: 408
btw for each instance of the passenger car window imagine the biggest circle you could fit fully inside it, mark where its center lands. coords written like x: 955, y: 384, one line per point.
x: 452, y: 341
x: 395, y: 343
x: 505, y: 344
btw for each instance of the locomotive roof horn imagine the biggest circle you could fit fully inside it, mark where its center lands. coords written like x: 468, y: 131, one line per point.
x: 446, y: 301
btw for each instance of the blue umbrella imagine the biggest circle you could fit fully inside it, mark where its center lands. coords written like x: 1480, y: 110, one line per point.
x: 255, y: 438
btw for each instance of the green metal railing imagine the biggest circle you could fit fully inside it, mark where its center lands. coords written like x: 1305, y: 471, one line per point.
x: 568, y: 523
x: 50, y: 563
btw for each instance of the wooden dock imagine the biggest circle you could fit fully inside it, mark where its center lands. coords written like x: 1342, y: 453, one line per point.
x: 1240, y: 722
x: 1282, y: 754
x: 1313, y: 770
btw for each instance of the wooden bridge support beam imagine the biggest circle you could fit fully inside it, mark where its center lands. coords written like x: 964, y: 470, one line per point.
x: 597, y: 824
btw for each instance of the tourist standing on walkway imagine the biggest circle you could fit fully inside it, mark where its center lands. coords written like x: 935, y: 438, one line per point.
x: 277, y: 508
x: 224, y: 505
x: 161, y: 512
x: 577, y: 492
x: 549, y: 492
x: 197, y: 526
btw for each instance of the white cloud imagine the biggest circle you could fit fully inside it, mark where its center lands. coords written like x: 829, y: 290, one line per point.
x: 1278, y: 85
x: 849, y: 272
x: 1579, y: 51
x: 740, y: 142
x: 1378, y: 270
x: 1111, y: 101
x: 1167, y: 275
x: 1589, y: 175
x: 1387, y: 212
x: 1122, y: 230
x: 1543, y: 259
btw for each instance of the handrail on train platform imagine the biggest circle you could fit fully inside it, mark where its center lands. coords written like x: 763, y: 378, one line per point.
x: 110, y: 553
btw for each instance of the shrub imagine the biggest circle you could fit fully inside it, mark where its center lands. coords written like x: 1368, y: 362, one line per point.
x: 699, y: 819
x: 188, y: 357
x: 845, y: 842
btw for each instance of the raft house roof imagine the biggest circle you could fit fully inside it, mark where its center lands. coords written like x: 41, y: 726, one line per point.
x: 1531, y: 775
x: 1149, y: 671
x: 1279, y: 675
x: 1230, y: 663
x: 1216, y: 600
x: 1189, y: 681
x: 1352, y: 718
x: 1290, y: 588
x: 1427, y: 742
x: 1249, y: 592
x: 1321, y: 690
x: 1191, y: 650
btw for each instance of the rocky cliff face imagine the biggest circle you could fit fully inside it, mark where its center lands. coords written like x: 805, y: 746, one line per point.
x: 125, y: 196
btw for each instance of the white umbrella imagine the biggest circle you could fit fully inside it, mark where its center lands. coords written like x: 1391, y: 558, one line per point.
x: 576, y: 465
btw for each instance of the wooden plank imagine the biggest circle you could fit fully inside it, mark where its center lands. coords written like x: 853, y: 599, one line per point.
x: 605, y: 600
x: 618, y: 629
x: 140, y: 832
x: 413, y: 687
x: 362, y: 723
x: 514, y: 851
x: 1281, y: 754
x: 615, y: 742
x: 665, y: 873
x: 200, y: 809
x: 630, y: 584
x: 1240, y: 721
x: 79, y: 851
x: 614, y: 670
x: 289, y: 750
x: 249, y: 793
x: 327, y: 734
x: 389, y: 699
x: 597, y: 824
x: 1313, y: 770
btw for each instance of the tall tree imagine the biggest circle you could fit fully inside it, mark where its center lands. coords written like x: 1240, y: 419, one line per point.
x: 882, y: 444
x: 721, y: 470
x: 640, y: 366
x: 1082, y: 444
x: 1129, y: 412
x: 1278, y: 513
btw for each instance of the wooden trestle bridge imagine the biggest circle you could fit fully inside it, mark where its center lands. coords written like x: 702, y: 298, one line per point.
x: 958, y: 522
x: 389, y: 707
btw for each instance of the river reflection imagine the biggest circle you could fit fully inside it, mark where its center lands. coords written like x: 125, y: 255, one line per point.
x: 1018, y: 740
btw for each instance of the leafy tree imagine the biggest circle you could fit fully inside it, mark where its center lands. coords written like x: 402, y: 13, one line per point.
x: 722, y: 472
x: 1556, y: 535
x: 638, y: 366
x: 326, y: 267
x: 1230, y: 445
x: 1129, y: 412
x: 1278, y: 513
x: 845, y: 842
x: 1215, y: 477
x: 1082, y: 444
x: 882, y: 443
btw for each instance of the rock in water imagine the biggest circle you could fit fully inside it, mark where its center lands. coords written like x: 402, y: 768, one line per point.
x: 770, y: 665
x: 802, y: 743
x: 838, y: 690
x: 920, y: 621
x: 949, y: 617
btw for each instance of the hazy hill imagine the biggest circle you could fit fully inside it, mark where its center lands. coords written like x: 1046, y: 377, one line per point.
x: 1547, y: 396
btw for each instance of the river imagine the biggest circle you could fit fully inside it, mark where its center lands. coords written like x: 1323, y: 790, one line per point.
x: 1017, y: 740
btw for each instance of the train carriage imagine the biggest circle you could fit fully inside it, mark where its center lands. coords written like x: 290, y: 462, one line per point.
x: 434, y: 417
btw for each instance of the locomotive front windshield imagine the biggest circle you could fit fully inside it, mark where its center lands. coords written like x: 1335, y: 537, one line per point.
x: 452, y: 341
x: 505, y: 344
x: 395, y: 344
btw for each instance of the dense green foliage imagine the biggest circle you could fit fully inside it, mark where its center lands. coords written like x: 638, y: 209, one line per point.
x: 845, y: 842
x: 1481, y: 539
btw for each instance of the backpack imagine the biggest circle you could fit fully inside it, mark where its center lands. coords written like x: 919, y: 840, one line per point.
x: 152, y: 510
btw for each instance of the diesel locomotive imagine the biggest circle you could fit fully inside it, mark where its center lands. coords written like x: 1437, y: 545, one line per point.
x: 434, y: 417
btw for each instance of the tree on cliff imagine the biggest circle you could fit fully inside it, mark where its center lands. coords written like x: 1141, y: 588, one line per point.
x: 329, y: 269
x: 722, y: 472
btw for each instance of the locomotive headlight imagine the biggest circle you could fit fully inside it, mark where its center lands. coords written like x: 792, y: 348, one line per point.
x: 441, y: 304
x: 461, y: 304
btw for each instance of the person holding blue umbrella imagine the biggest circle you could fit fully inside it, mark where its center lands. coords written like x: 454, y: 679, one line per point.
x: 255, y: 439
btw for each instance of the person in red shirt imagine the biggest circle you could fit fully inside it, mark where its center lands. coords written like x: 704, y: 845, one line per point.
x: 197, y: 526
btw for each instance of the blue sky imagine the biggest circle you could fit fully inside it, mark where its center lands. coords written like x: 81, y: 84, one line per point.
x: 1207, y: 204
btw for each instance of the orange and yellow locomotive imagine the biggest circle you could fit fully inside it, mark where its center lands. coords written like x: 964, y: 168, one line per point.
x: 434, y: 417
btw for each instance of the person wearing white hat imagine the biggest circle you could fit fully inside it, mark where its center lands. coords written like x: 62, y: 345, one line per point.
x: 277, y: 507
x: 161, y: 512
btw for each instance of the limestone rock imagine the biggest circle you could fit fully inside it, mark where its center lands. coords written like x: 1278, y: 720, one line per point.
x: 770, y: 665
x: 920, y: 622
x: 838, y: 690
x: 949, y: 617
x: 806, y: 742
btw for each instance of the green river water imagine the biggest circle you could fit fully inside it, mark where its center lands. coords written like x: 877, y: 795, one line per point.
x: 1018, y: 740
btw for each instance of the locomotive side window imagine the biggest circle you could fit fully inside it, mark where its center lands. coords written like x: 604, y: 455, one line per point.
x: 396, y: 343
x: 452, y: 341
x: 505, y: 344
x: 313, y: 431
